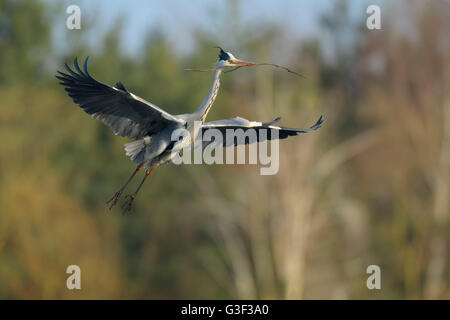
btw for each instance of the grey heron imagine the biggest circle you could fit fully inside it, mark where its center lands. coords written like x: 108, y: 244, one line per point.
x: 151, y: 127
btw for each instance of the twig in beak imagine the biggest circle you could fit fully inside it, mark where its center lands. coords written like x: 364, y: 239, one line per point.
x: 256, y: 64
x: 278, y: 66
x: 234, y: 69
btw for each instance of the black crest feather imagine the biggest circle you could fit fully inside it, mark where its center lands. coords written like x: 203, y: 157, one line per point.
x: 222, y: 54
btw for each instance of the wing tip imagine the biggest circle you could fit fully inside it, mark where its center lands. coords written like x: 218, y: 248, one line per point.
x: 77, y: 67
x: 85, y: 66
x: 314, y: 127
x: 75, y: 74
x: 318, y: 123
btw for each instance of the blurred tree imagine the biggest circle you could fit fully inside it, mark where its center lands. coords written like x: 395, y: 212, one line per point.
x: 370, y: 187
x: 24, y: 40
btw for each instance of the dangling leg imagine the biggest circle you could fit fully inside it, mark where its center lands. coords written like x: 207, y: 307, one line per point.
x: 130, y: 197
x: 117, y: 195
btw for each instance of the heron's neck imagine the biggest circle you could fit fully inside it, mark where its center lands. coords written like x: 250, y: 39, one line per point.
x: 208, y: 101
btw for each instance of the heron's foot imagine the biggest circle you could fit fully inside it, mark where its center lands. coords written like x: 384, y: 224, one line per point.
x: 129, y: 198
x: 114, y: 199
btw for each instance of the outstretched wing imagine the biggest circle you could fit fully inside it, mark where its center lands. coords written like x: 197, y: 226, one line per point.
x: 125, y: 113
x: 240, y: 127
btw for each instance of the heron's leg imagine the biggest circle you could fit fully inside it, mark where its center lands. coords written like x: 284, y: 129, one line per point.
x: 117, y: 195
x: 130, y: 197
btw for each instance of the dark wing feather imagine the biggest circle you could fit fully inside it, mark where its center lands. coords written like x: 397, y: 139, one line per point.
x: 125, y: 113
x: 263, y: 130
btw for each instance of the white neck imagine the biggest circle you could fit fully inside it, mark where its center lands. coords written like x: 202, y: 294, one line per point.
x: 208, y: 101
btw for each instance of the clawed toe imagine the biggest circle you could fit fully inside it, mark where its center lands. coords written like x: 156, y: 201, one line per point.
x: 114, y: 199
x: 128, y: 202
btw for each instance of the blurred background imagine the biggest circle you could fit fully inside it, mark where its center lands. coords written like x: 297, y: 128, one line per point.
x: 371, y: 187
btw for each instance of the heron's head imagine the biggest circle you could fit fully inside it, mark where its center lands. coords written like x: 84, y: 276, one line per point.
x: 227, y: 60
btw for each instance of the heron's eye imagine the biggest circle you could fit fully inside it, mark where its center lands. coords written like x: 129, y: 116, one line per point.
x: 230, y: 61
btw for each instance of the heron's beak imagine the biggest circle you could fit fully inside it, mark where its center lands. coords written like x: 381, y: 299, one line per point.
x: 242, y: 63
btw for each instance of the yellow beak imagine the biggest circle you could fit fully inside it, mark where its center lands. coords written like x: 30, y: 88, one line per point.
x: 242, y: 63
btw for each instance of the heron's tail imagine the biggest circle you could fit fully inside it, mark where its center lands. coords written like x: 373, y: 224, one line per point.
x: 136, y: 150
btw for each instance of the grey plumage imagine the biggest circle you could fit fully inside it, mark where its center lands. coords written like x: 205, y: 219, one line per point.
x: 126, y: 114
x: 150, y: 126
x: 263, y: 130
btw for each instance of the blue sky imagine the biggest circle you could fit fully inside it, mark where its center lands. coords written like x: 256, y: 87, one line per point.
x: 177, y: 19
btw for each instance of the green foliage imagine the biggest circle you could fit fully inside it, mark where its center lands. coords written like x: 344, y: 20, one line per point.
x: 24, y: 40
